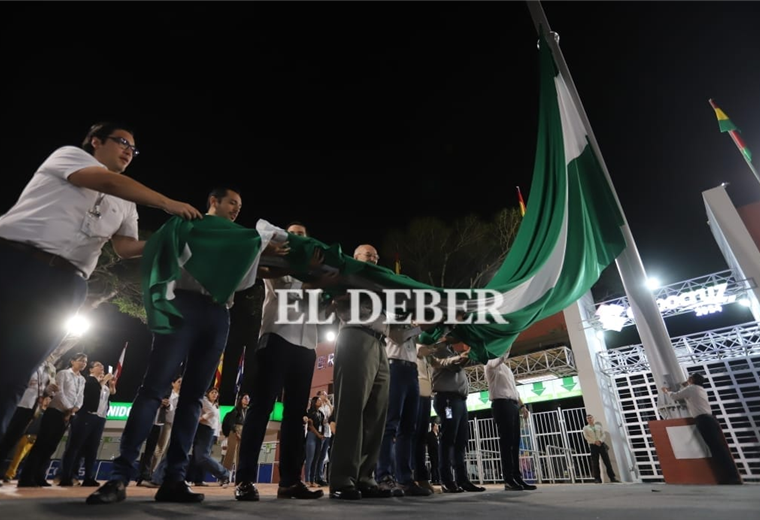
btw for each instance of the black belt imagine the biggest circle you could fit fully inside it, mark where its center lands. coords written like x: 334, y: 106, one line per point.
x: 402, y: 362
x: 194, y: 294
x: 49, y: 258
x: 505, y: 399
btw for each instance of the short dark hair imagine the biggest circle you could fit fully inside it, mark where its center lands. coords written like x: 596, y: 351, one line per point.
x: 219, y: 193
x: 698, y: 379
x: 102, y: 130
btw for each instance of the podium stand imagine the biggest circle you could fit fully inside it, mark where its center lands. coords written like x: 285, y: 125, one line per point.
x: 684, y: 457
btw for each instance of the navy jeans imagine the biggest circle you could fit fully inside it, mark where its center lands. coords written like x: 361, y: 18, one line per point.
x: 199, y: 343
x: 313, y: 450
x: 202, y: 459
x: 36, y: 299
x: 400, y: 423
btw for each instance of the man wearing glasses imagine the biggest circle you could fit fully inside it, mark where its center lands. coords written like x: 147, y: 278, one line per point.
x: 50, y: 241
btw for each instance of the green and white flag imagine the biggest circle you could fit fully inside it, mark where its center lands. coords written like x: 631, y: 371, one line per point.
x: 571, y: 230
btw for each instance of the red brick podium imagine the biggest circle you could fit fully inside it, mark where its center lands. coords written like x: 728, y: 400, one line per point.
x: 675, y: 468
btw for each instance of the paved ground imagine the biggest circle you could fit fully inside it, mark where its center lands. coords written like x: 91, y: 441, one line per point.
x: 549, y: 502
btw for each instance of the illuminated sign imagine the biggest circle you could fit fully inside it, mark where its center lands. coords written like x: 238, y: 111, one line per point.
x: 707, y: 300
x: 120, y: 411
x: 560, y: 388
x: 325, y: 361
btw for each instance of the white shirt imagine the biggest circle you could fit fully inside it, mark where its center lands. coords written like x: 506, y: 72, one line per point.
x: 173, y: 398
x: 37, y: 385
x: 501, y: 380
x: 54, y: 215
x: 423, y: 376
x: 696, y: 400
x: 326, y: 410
x: 105, y: 393
x: 406, y: 351
x: 593, y: 434
x: 70, y: 391
x: 303, y: 335
x: 210, y: 416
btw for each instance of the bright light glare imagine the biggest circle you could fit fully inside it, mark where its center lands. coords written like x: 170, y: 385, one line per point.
x: 331, y: 336
x: 77, y: 325
x: 653, y: 283
x: 745, y: 302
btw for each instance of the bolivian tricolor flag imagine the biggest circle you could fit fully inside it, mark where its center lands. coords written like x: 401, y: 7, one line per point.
x: 726, y: 125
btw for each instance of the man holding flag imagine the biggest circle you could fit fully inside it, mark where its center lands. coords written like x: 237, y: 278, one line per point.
x: 190, y: 273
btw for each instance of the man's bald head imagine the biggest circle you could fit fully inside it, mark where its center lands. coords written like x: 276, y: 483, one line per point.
x: 366, y: 253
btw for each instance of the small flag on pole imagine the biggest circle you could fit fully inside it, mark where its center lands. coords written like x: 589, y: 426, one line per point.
x: 120, y: 364
x: 726, y: 125
x: 521, y: 201
x: 218, y: 373
x: 397, y: 266
x: 239, y: 379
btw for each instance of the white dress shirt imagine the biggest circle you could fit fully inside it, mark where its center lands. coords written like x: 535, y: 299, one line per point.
x: 105, y: 395
x: 56, y: 216
x: 37, y: 384
x: 696, y: 400
x: 70, y: 391
x: 406, y: 351
x: 501, y: 380
x: 210, y: 416
x: 303, y: 334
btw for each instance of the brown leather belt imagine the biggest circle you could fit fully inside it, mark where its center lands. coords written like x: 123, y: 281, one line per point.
x: 49, y: 258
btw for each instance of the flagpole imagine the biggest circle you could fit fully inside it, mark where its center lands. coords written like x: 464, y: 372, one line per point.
x: 740, y: 146
x: 649, y: 322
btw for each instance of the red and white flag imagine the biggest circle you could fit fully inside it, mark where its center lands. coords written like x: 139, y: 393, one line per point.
x: 117, y: 373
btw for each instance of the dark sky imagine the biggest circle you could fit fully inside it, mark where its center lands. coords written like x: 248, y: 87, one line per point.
x: 356, y: 117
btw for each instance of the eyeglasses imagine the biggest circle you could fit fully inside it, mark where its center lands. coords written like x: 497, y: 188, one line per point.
x: 125, y: 144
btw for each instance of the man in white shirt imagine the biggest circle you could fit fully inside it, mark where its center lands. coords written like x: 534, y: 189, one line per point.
x: 66, y: 402
x: 198, y: 343
x: 394, y: 465
x: 284, y: 361
x: 594, y: 435
x: 50, y: 241
x: 87, y: 427
x: 506, y: 408
x: 695, y: 396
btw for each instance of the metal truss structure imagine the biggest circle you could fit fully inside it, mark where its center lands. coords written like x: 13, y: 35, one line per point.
x: 703, y: 286
x: 553, y: 362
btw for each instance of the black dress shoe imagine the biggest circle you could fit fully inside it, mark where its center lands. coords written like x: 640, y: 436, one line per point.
x: 451, y: 487
x: 525, y: 485
x: 375, y: 492
x: 322, y: 483
x: 44, y: 483
x: 109, y: 493
x: 26, y: 484
x: 470, y: 487
x: 349, y: 493
x: 247, y: 492
x: 90, y: 482
x: 66, y: 483
x: 177, y: 492
x: 299, y: 491
x: 511, y: 485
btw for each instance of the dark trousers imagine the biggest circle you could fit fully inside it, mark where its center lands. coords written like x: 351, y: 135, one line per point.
x: 202, y: 460
x: 280, y: 365
x: 596, y: 452
x: 84, y: 440
x: 35, y: 299
x: 400, y: 423
x: 143, y: 468
x: 506, y: 414
x: 21, y: 420
x: 199, y: 343
x: 711, y: 432
x: 52, y: 428
x: 420, y: 441
x: 454, y: 436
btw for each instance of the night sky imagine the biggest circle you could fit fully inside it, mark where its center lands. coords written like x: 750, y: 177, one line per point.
x: 355, y: 117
